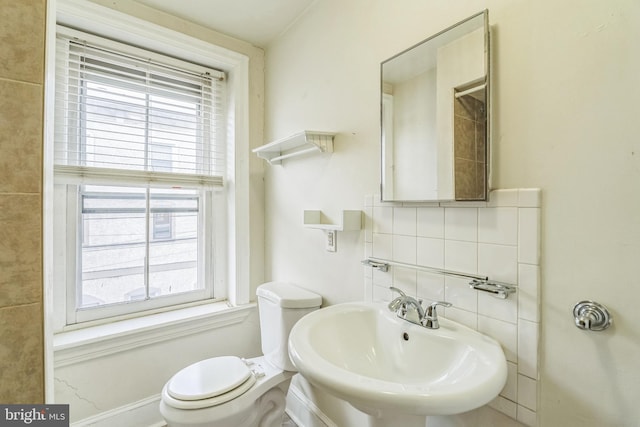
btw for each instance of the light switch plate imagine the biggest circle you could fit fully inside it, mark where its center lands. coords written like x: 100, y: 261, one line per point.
x: 331, y: 243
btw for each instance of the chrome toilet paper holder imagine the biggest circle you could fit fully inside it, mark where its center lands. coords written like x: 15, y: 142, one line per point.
x: 591, y: 316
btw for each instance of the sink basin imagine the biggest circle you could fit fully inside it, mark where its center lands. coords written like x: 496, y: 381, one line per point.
x: 388, y: 367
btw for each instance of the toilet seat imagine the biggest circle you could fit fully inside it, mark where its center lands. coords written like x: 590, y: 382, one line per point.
x: 209, y: 382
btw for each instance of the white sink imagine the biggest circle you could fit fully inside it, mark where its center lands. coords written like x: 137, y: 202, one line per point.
x: 390, y: 368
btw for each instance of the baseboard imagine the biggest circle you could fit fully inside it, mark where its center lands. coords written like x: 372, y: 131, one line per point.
x: 143, y: 413
x: 304, y: 412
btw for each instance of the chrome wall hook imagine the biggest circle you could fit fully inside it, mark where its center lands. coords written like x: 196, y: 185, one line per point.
x: 591, y: 316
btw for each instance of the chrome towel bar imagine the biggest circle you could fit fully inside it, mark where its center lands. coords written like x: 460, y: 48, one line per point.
x: 383, y: 265
x: 480, y: 283
x: 499, y: 290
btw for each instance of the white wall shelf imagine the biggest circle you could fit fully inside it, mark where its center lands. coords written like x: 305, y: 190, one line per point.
x: 351, y: 221
x: 305, y: 142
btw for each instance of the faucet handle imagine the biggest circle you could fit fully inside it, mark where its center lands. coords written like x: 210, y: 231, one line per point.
x: 397, y: 302
x: 431, y: 315
x: 431, y: 309
x: 433, y: 305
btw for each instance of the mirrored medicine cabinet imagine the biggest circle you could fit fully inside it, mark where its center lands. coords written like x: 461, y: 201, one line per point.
x: 434, y: 117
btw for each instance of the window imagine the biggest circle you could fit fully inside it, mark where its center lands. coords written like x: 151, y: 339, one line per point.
x: 139, y: 164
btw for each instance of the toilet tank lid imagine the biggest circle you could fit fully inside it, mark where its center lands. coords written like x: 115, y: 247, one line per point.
x: 288, y: 295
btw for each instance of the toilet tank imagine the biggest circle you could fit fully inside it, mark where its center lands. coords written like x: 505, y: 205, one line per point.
x: 280, y: 306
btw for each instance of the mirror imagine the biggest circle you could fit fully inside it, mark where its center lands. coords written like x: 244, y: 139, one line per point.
x: 434, y: 117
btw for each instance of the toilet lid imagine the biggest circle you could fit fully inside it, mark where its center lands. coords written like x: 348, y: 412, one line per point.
x: 209, y: 378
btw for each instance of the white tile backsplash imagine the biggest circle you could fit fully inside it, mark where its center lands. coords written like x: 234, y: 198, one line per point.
x: 496, y: 308
x: 528, y: 232
x: 430, y: 222
x: 528, y: 336
x: 382, y: 246
x: 504, y: 198
x: 404, y: 249
x: 405, y: 280
x: 505, y: 333
x: 461, y: 224
x: 430, y: 252
x: 381, y: 293
x: 461, y: 256
x: 458, y: 293
x: 368, y: 224
x: 506, y: 406
x: 467, y: 318
x: 499, y: 262
x: 383, y: 219
x: 498, y: 225
x: 529, y: 292
x: 382, y: 278
x: 527, y: 392
x: 404, y: 221
x: 430, y: 286
x: 499, y: 239
x: 529, y: 197
x: 510, y: 390
x: 527, y: 416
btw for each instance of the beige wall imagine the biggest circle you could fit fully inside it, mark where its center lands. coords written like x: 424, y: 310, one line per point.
x: 21, y: 111
x: 564, y: 98
x: 564, y: 103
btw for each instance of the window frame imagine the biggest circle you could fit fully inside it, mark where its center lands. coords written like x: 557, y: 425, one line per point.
x: 217, y: 203
x: 71, y: 249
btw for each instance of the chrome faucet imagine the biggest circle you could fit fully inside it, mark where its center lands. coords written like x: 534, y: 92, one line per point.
x: 430, y: 319
x: 410, y: 309
x: 397, y: 302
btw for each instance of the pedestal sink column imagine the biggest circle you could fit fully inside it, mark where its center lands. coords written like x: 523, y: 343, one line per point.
x: 398, y: 421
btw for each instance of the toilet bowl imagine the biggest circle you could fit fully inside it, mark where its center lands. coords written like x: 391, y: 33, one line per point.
x: 261, y: 397
x: 229, y: 391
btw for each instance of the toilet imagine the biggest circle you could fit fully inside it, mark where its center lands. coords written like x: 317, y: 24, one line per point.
x: 230, y: 391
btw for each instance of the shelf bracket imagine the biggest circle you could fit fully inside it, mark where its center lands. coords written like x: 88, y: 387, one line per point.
x: 305, y: 142
x: 351, y: 221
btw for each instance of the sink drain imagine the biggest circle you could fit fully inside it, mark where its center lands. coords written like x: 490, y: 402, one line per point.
x: 405, y: 336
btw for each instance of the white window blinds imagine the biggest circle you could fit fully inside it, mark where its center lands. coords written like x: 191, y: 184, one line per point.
x: 138, y: 119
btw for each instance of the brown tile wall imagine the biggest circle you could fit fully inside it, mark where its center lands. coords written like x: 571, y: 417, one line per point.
x: 469, y: 148
x: 22, y: 53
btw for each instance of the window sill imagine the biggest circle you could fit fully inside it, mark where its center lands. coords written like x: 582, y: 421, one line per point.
x: 98, y: 341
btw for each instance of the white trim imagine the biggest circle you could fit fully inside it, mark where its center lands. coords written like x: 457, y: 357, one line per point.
x: 110, y: 22
x: 143, y: 413
x: 75, y: 175
x: 90, y: 343
x: 48, y: 201
x: 119, y: 49
x: 71, y: 174
x: 66, y: 256
x: 238, y: 203
x: 234, y: 276
x: 116, y: 25
x: 304, y: 412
